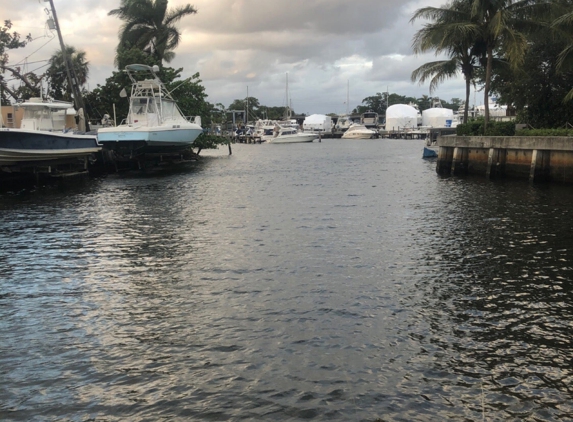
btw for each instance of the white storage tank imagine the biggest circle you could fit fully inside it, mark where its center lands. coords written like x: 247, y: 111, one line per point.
x: 400, y: 116
x: 437, y: 117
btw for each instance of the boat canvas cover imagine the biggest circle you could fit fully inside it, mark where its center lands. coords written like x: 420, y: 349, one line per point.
x: 400, y: 116
x: 437, y: 117
x: 317, y: 122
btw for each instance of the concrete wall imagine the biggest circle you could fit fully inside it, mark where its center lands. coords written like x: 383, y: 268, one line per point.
x: 533, y: 158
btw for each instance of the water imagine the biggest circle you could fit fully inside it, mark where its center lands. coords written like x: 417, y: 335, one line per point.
x: 341, y: 280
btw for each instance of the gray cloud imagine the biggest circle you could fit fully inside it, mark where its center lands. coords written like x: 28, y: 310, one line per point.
x: 324, y: 45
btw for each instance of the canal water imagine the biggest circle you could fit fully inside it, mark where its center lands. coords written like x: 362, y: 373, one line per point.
x: 341, y: 280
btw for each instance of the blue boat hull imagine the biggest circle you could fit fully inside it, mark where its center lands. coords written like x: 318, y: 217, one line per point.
x: 429, y: 153
x: 18, y: 146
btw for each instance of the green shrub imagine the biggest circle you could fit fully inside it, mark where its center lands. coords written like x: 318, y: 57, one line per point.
x: 473, y: 128
x: 476, y: 128
x: 500, y: 129
x: 544, y: 132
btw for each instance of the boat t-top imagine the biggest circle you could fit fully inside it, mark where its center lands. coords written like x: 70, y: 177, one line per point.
x: 154, y: 123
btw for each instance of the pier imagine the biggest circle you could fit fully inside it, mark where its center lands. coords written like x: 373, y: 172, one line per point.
x: 538, y: 159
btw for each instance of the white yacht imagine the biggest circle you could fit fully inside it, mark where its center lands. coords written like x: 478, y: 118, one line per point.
x: 154, y: 122
x: 290, y: 135
x: 359, y: 131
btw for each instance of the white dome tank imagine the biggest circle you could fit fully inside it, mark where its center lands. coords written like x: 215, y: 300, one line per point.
x: 437, y: 117
x: 400, y: 116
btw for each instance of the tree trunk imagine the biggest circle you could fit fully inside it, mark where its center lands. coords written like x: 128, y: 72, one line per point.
x: 487, y: 84
x: 21, y: 77
x: 9, y: 91
x: 467, y: 104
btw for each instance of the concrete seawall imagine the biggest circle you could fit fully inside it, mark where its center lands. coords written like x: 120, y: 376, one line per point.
x: 533, y: 158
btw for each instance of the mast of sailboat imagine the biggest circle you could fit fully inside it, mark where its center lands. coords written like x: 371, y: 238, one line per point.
x: 347, y: 95
x: 247, y: 110
x: 70, y: 73
x: 287, y: 104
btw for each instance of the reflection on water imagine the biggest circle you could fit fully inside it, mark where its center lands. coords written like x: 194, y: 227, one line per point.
x: 327, y: 281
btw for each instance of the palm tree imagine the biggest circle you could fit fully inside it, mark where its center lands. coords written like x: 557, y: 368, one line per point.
x: 503, y: 26
x: 56, y: 72
x: 562, y: 25
x: 454, y: 33
x: 149, y: 26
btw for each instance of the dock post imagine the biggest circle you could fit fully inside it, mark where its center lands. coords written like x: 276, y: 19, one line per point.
x: 444, y: 164
x: 459, y: 161
x: 533, y: 167
x: 540, y: 166
x: 495, y: 163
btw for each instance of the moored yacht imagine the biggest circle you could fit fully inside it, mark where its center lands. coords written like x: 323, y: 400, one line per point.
x: 369, y: 119
x: 43, y: 137
x: 154, y: 123
x: 359, y: 131
x: 290, y: 135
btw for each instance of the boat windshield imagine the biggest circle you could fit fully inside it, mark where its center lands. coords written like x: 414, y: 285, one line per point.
x: 142, y: 106
x: 170, y: 111
x: 41, y: 115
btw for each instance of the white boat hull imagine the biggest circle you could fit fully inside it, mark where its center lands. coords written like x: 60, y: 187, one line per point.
x: 172, y: 136
x: 293, y: 139
x: 358, y: 135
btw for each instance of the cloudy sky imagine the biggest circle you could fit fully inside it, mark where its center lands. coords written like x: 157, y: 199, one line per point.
x: 330, y: 49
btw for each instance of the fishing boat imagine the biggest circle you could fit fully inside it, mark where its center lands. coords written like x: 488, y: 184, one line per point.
x: 43, y: 137
x: 359, y: 131
x: 154, y: 124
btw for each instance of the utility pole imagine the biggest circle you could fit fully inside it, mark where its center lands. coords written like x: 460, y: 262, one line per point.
x: 70, y: 72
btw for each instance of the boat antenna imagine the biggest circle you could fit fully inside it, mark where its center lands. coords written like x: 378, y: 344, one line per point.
x: 70, y: 72
x: 169, y: 93
x: 287, y: 110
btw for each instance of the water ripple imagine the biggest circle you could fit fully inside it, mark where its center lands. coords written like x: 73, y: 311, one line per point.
x: 328, y: 281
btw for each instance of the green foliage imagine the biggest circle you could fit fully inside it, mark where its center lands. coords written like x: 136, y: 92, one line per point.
x: 189, y: 94
x: 544, y: 132
x: 57, y: 76
x: 537, y: 90
x: 253, y: 107
x: 206, y: 141
x: 500, y: 129
x: 376, y: 103
x: 102, y: 99
x: 149, y: 26
x: 9, y: 41
x: 477, y: 128
x: 273, y: 113
x: 473, y: 128
x: 131, y: 55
